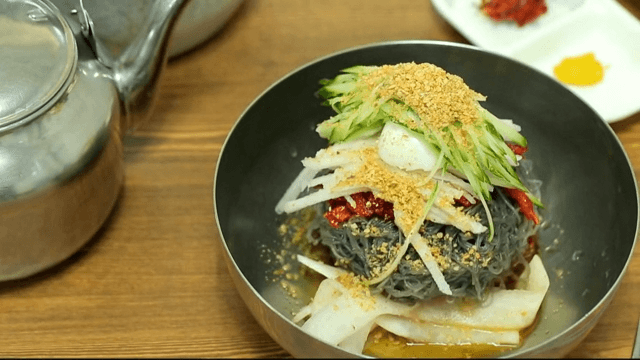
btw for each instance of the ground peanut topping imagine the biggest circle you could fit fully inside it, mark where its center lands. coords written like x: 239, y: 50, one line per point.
x: 403, y: 189
x: 358, y: 289
x: 439, y: 98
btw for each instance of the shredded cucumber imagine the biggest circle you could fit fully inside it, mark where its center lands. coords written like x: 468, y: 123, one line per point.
x: 478, y: 151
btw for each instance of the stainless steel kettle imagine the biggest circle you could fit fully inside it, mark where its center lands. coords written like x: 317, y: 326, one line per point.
x: 74, y: 78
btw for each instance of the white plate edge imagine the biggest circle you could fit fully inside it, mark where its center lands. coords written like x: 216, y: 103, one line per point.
x: 617, y: 10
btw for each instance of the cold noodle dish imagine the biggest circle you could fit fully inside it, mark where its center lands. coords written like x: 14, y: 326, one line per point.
x: 426, y: 209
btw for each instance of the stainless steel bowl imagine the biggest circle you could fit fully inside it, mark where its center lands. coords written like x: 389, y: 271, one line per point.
x: 589, y: 187
x: 198, y: 22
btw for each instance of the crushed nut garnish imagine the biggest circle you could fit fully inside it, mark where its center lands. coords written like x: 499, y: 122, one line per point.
x: 440, y: 99
x: 402, y: 189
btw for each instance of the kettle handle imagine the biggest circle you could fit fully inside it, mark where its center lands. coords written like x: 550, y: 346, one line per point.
x: 131, y: 38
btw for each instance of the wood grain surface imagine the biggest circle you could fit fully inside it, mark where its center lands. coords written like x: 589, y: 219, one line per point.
x: 153, y: 283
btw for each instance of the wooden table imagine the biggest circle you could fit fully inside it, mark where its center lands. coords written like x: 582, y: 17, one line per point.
x: 152, y: 283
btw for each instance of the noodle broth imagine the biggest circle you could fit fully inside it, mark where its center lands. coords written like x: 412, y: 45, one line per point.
x: 384, y: 344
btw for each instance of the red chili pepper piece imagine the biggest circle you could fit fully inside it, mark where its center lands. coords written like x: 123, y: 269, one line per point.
x: 526, y: 206
x: 363, y: 207
x: 367, y: 205
x: 520, y: 11
x: 338, y: 214
x: 463, y: 201
x: 382, y: 208
x: 517, y: 149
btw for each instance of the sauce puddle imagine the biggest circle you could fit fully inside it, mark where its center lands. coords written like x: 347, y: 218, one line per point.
x: 386, y: 345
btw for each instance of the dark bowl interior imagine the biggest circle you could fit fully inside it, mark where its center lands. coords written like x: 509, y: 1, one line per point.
x: 589, y: 189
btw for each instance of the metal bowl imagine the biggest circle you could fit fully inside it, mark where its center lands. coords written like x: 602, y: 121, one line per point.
x: 199, y: 20
x: 589, y: 188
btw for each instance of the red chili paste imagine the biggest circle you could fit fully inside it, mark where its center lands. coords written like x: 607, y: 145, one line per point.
x: 367, y: 205
x: 520, y: 11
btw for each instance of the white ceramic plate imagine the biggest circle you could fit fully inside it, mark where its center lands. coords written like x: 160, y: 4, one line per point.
x: 569, y: 28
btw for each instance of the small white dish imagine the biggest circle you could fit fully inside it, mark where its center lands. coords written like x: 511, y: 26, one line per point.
x: 569, y: 28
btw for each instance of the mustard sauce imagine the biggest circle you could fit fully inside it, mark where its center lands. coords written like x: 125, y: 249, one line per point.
x: 583, y: 70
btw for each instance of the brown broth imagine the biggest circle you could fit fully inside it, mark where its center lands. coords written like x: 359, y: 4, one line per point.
x: 383, y: 344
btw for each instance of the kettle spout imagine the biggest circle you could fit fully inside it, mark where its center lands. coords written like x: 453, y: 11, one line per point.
x: 136, y: 53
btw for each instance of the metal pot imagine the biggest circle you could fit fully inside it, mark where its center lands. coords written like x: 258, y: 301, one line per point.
x: 67, y: 97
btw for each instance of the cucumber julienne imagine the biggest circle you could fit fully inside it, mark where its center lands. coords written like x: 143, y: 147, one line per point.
x: 437, y: 107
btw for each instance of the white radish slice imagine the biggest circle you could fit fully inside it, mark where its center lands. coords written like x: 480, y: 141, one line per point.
x: 446, y: 190
x: 338, y: 154
x: 341, y: 317
x: 452, y: 217
x: 503, y: 310
x: 356, y: 341
x: 351, y: 201
x: 322, y: 180
x: 303, y: 313
x: 298, y: 184
x: 448, y: 335
x: 454, y: 180
x: 320, y: 196
x: 328, y: 271
x: 328, y: 292
x: 493, y: 179
x: 350, y: 313
x: 327, y: 162
x: 424, y: 251
x: 335, y: 322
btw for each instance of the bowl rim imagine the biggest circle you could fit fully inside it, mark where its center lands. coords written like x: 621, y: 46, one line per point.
x: 589, y: 316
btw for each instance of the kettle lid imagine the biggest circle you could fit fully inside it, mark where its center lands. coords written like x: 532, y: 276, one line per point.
x: 38, y: 57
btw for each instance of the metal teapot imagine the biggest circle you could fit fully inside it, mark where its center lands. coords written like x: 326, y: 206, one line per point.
x: 69, y: 91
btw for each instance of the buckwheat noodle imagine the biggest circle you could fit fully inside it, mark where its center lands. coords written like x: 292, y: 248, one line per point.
x: 356, y: 247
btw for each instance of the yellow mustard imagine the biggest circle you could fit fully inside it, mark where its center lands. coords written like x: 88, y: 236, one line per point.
x: 580, y: 70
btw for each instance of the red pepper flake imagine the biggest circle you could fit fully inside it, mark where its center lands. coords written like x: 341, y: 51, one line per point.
x: 517, y: 149
x: 520, y: 11
x: 367, y: 205
x: 526, y: 206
